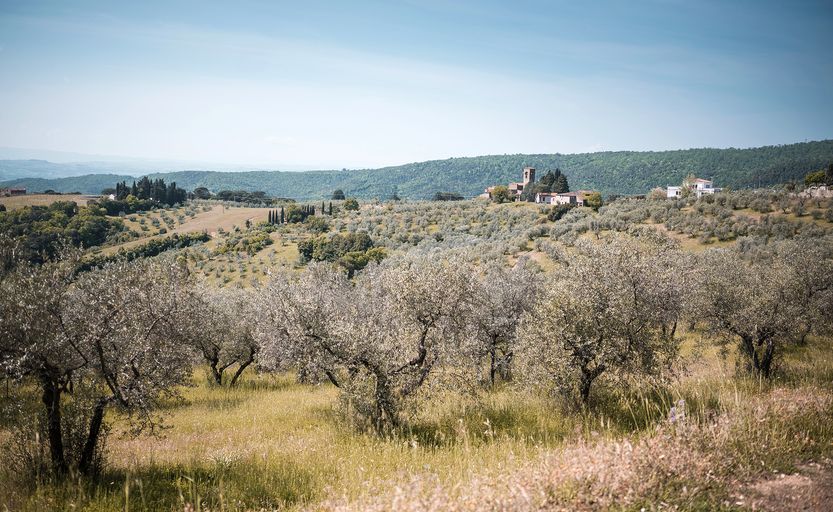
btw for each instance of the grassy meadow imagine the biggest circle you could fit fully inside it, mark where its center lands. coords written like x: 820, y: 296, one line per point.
x: 272, y: 443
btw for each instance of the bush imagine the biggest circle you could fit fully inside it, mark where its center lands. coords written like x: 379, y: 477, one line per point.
x: 350, y: 204
x: 316, y: 225
x: 558, y: 211
x: 447, y: 196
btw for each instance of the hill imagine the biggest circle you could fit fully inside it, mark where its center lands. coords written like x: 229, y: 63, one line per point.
x: 617, y: 172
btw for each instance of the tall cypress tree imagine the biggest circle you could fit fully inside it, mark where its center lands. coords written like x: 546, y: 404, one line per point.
x: 282, y: 217
x: 331, y: 209
x: 561, y: 186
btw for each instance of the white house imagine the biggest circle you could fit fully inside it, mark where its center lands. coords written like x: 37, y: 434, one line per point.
x: 575, y: 198
x: 699, y: 187
x: 674, y: 191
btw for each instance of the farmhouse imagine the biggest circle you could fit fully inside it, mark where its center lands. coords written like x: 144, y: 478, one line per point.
x: 573, y: 198
x: 698, y: 186
x: 13, y: 192
x: 515, y: 189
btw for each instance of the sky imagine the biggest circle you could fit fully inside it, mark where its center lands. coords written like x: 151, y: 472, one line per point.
x: 353, y: 84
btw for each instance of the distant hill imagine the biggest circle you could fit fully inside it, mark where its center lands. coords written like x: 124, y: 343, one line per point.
x: 17, y: 169
x: 619, y: 172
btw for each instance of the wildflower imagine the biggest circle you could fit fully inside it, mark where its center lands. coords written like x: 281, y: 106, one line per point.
x: 677, y: 412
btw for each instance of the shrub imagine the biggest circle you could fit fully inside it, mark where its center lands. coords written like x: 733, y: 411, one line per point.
x: 350, y: 204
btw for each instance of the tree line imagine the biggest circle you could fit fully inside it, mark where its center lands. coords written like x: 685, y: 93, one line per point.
x: 153, y: 190
x: 610, y: 172
x: 43, y: 230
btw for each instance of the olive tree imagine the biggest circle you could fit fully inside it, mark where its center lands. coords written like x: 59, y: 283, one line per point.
x: 608, y: 313
x: 222, y: 331
x: 299, y: 314
x: 766, y: 302
x: 811, y: 263
x: 117, y: 329
x: 500, y: 298
x: 377, y: 339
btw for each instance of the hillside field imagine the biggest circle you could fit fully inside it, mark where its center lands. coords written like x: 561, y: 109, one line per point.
x: 15, y: 202
x: 706, y: 435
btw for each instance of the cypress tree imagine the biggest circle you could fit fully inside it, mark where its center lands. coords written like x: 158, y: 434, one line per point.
x: 331, y: 208
x: 269, y: 217
x: 560, y: 186
x: 282, y: 217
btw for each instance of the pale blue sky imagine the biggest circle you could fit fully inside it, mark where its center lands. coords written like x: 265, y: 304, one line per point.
x: 355, y: 84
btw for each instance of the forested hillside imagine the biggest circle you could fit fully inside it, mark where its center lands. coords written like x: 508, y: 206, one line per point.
x: 621, y: 172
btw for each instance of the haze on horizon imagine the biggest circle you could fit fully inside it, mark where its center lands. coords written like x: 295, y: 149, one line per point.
x: 373, y: 83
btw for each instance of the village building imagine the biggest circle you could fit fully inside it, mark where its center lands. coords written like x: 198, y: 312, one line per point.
x: 515, y: 189
x: 699, y: 187
x: 576, y: 198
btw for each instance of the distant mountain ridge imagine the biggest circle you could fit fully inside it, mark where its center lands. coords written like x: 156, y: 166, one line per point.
x: 611, y: 172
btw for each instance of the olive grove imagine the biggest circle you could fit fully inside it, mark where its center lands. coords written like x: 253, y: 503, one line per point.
x: 456, y: 306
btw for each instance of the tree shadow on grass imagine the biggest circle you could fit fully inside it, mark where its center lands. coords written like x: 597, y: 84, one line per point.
x: 222, y: 484
x: 484, y: 423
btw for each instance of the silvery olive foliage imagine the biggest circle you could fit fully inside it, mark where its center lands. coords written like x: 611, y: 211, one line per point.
x: 427, y: 226
x: 379, y: 339
x: 117, y: 329
x: 612, y: 312
x: 222, y: 327
x: 767, y: 298
x: 710, y: 218
x: 299, y: 313
x: 500, y: 297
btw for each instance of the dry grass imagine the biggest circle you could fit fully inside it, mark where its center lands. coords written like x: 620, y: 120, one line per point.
x: 272, y: 443
x: 15, y: 202
x: 692, y: 464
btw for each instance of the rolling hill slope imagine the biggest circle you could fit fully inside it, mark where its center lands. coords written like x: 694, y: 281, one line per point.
x: 620, y: 172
